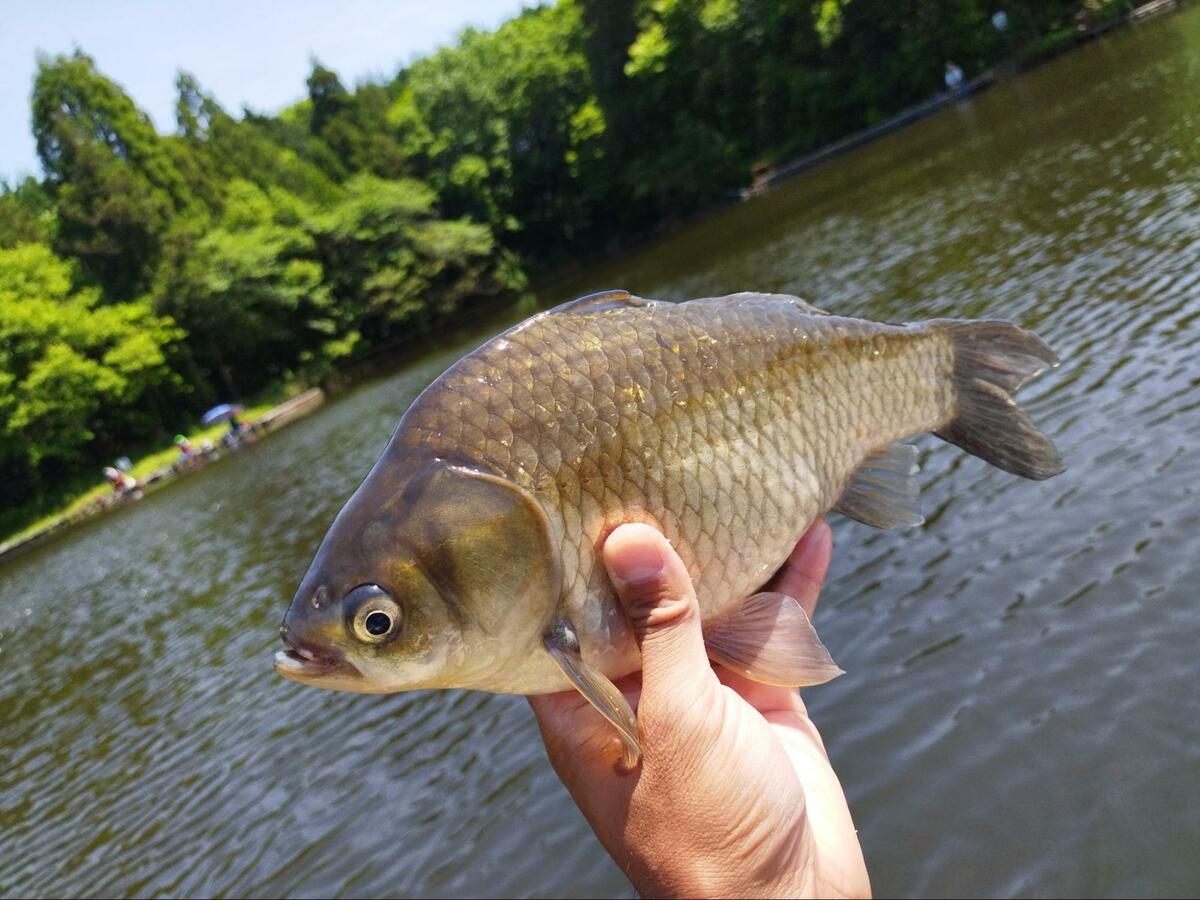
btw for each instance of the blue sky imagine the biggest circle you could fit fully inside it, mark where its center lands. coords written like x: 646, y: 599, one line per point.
x: 244, y: 51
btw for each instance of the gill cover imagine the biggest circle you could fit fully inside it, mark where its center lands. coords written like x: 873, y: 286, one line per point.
x: 484, y: 542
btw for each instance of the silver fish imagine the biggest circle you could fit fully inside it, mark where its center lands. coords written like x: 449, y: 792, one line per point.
x: 470, y: 555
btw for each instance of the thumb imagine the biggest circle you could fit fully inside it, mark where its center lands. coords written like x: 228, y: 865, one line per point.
x: 660, y: 603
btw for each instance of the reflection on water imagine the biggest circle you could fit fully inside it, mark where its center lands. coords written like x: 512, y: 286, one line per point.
x: 1020, y: 713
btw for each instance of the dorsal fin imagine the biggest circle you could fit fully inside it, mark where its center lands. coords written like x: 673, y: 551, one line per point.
x: 754, y: 297
x: 807, y: 307
x: 599, y: 301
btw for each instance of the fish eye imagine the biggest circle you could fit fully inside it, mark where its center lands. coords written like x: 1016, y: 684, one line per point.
x: 378, y: 623
x: 374, y: 616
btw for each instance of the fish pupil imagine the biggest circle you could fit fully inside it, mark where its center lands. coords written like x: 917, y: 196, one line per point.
x: 378, y: 623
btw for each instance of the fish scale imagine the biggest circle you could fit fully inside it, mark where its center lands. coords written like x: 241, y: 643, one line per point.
x: 731, y: 430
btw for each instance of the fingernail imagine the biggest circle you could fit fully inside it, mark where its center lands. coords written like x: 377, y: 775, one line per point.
x: 635, y: 561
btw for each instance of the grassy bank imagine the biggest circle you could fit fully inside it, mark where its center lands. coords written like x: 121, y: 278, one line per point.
x: 23, y: 522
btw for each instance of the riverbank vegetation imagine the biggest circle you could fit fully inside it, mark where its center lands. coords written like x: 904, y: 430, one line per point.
x: 148, y: 275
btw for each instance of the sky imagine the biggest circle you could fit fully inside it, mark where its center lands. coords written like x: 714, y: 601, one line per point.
x: 245, y: 52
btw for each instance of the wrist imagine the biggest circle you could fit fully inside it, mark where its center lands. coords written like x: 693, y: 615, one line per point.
x: 714, y: 883
x: 776, y: 864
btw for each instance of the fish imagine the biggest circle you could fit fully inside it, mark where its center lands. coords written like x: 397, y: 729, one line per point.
x: 470, y: 556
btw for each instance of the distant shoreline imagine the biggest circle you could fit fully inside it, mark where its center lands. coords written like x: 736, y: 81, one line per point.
x: 103, y: 500
x: 778, y: 173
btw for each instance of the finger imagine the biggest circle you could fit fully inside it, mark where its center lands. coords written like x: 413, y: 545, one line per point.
x: 660, y: 603
x: 576, y: 736
x: 574, y: 733
x: 558, y: 709
x: 803, y: 573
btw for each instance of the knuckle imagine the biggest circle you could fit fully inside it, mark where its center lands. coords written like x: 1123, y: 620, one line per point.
x: 656, y: 616
x: 658, y: 604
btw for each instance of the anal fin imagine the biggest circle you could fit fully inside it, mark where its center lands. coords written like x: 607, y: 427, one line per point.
x: 770, y: 639
x: 883, y: 492
x: 562, y: 644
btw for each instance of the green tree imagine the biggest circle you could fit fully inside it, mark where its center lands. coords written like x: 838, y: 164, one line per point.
x: 77, y: 377
x: 500, y: 107
x: 26, y: 214
x: 328, y: 97
x: 249, y: 293
x: 395, y: 268
x: 115, y: 186
x: 367, y: 130
x: 270, y: 152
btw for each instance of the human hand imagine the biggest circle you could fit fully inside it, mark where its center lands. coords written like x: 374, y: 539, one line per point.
x: 735, y: 795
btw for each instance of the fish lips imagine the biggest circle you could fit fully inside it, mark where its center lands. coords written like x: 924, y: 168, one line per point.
x: 303, y: 663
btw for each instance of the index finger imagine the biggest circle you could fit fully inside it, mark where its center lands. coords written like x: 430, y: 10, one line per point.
x: 802, y: 575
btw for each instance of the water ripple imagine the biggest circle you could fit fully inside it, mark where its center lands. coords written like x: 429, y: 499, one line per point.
x: 1021, y: 692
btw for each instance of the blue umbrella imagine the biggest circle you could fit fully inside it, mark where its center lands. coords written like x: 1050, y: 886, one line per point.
x: 221, y: 413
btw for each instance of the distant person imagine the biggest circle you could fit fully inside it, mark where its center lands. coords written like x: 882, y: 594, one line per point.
x: 234, y: 435
x: 185, y: 447
x: 121, y: 483
x: 954, y: 76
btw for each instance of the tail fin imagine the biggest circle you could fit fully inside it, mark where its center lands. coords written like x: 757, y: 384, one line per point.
x: 991, y: 361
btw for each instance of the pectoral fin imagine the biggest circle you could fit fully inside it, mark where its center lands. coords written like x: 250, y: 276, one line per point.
x: 563, y: 646
x: 883, y: 492
x: 770, y: 639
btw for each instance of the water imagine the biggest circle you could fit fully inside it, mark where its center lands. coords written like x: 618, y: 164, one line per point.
x: 1021, y: 713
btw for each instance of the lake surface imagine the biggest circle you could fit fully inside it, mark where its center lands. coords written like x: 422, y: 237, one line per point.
x: 1021, y: 713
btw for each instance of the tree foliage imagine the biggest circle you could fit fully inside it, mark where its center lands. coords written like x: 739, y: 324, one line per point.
x: 115, y: 186
x: 26, y: 214
x: 394, y: 265
x: 75, y: 374
x: 248, y: 291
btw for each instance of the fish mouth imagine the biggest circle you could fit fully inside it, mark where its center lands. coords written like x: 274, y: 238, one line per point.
x: 302, y: 663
